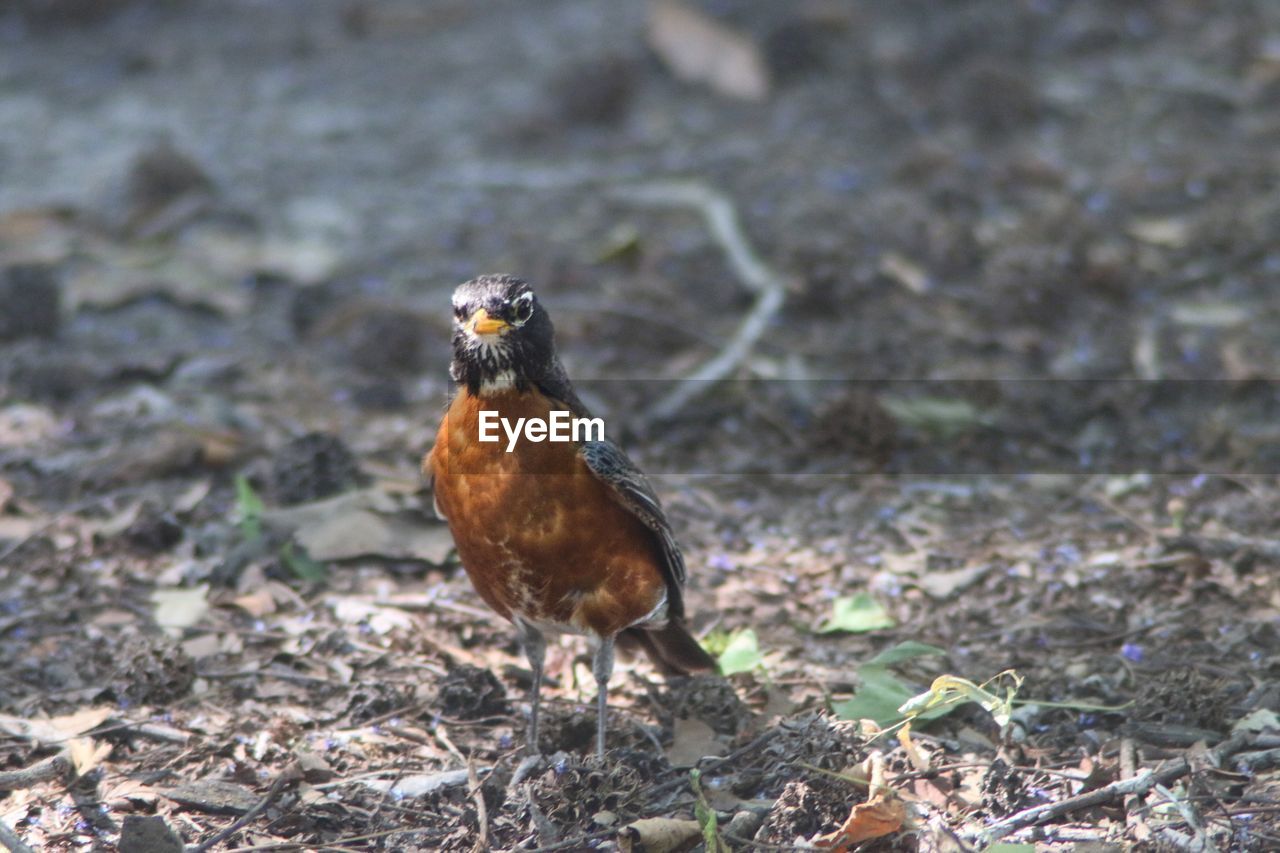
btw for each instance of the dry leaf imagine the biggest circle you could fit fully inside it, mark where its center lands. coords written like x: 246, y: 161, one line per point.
x: 22, y: 424
x: 945, y: 584
x: 919, y: 760
x: 1210, y: 315
x: 418, y: 785
x: 881, y: 815
x: 86, y: 753
x: 203, y: 646
x: 1168, y: 233
x: 699, y: 49
x: 659, y: 835
x: 905, y: 272
x: 54, y: 729
x: 178, y: 609
x: 381, y: 620
x: 258, y: 603
x: 360, y: 524
x: 692, y: 740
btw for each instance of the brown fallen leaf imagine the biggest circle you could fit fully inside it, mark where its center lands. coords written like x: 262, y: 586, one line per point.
x: 881, y: 815
x: 692, y: 740
x: 659, y: 835
x: 178, y: 609
x: 54, y: 729
x: 258, y: 603
x: 86, y: 753
x: 699, y: 49
x: 362, y: 523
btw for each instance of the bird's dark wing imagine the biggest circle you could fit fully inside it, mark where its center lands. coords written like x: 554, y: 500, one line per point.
x: 631, y: 488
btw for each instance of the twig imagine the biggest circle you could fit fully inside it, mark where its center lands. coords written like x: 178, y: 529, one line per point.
x: 277, y: 787
x: 54, y: 767
x: 1189, y: 815
x: 1248, y: 761
x: 1221, y: 546
x: 576, y: 843
x: 1134, y: 804
x: 9, y: 838
x: 1139, y: 784
x: 722, y: 220
x: 482, y: 811
x: 770, y: 288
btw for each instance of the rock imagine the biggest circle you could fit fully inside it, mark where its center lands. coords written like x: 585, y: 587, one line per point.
x: 595, y: 91
x: 149, y: 834
x: 164, y: 188
x: 32, y: 301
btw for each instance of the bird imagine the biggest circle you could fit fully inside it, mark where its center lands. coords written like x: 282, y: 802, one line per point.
x: 556, y: 536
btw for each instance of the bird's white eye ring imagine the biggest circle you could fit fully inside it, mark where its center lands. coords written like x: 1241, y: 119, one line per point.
x: 522, y: 309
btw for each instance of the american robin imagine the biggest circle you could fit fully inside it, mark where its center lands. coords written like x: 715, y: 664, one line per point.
x: 564, y: 536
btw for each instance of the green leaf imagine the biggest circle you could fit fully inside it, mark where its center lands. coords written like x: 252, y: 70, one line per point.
x: 878, y: 698
x: 858, y: 614
x: 741, y: 654
x: 301, y: 564
x: 249, y: 508
x: 904, y: 651
x: 706, y: 816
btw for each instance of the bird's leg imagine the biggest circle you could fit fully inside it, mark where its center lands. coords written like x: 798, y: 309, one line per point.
x: 535, y: 649
x: 602, y: 668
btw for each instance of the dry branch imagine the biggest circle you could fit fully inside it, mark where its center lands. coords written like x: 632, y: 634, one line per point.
x: 11, y: 841
x: 1141, y: 783
x: 722, y: 220
x: 289, y: 774
x: 770, y: 288
x: 55, y: 767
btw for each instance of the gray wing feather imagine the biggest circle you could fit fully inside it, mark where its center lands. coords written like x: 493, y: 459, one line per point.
x: 607, y: 461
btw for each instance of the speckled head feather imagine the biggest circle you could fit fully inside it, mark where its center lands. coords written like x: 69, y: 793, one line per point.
x: 503, y: 338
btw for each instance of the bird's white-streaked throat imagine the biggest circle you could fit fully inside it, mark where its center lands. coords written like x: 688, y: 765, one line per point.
x: 503, y: 380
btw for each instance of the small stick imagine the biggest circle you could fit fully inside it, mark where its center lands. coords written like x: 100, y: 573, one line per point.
x: 1189, y: 815
x: 770, y: 288
x: 54, y: 767
x: 1141, y: 783
x: 726, y: 229
x: 1134, y: 804
x: 482, y: 811
x: 9, y: 838
x: 277, y: 788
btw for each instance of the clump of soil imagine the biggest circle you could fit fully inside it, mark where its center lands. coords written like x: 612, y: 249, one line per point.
x: 712, y: 700
x: 315, y: 466
x: 471, y: 693
x: 806, y: 808
x: 817, y: 740
x: 576, y: 792
x: 146, y: 670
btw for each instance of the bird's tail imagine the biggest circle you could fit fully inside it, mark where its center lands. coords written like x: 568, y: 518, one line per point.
x: 671, y: 648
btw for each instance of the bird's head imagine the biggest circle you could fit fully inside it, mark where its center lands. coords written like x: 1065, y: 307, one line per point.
x: 502, y: 336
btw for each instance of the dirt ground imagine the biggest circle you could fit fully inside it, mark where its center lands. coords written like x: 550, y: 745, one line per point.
x: 1015, y: 422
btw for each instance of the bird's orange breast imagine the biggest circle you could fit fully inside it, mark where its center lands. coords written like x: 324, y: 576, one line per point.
x: 538, y: 533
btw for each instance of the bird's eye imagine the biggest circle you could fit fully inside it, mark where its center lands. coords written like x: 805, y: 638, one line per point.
x: 522, y: 310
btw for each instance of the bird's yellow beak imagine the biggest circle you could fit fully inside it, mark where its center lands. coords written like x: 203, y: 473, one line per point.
x: 481, y: 323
